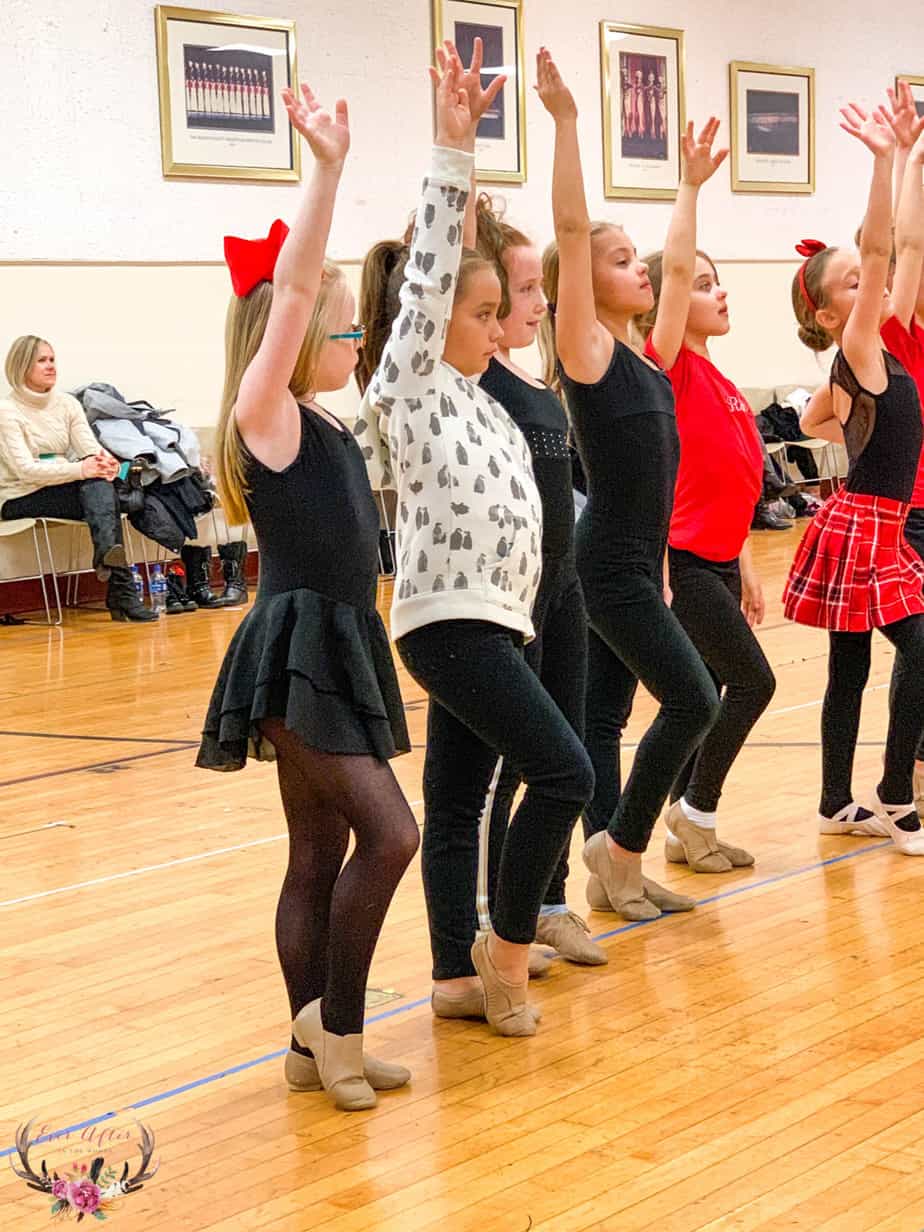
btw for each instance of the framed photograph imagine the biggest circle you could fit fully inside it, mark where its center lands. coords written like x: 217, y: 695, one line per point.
x: 642, y: 89
x: 917, y: 89
x: 772, y: 128
x: 219, y: 80
x: 500, y: 144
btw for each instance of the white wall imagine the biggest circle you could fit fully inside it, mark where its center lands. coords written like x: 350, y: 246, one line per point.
x: 81, y: 121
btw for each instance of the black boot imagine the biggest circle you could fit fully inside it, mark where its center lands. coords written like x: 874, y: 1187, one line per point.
x: 197, y: 561
x: 178, y: 599
x: 766, y: 518
x: 99, y: 502
x: 233, y: 562
x: 121, y: 599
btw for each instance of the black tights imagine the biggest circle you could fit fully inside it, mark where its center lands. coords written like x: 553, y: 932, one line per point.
x: 848, y: 672
x: 330, y: 914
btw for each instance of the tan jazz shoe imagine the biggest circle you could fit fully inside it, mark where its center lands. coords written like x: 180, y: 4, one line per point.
x: 622, y: 886
x: 302, y: 1073
x: 339, y: 1060
x: 688, y: 843
x: 665, y: 900
x: 466, y: 1005
x: 569, y: 935
x: 505, y: 1004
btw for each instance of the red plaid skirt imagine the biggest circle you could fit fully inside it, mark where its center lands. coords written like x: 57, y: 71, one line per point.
x: 853, y: 570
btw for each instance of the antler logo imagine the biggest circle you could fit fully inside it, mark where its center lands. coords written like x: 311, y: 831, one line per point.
x: 87, y: 1188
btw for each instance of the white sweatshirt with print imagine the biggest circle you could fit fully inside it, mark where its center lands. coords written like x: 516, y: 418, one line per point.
x: 469, y: 524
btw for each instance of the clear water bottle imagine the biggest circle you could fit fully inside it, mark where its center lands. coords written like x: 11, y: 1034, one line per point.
x: 158, y: 590
x: 138, y: 583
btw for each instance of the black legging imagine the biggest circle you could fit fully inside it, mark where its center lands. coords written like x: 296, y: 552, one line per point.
x: 330, y: 914
x: 485, y: 702
x: 558, y: 656
x: 914, y: 537
x: 848, y: 672
x: 634, y: 636
x: 94, y: 501
x: 707, y: 602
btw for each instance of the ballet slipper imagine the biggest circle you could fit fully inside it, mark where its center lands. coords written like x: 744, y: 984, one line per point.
x: 908, y: 842
x: 664, y: 899
x: 697, y: 846
x: 621, y: 882
x: 339, y: 1060
x: 302, y: 1073
x: 845, y: 821
x: 506, y: 1007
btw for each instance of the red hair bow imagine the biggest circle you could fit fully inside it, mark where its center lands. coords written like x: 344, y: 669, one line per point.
x: 808, y: 249
x: 253, y: 261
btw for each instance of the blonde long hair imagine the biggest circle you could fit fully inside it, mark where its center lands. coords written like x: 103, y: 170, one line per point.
x: 550, y: 268
x: 20, y: 358
x: 245, y: 325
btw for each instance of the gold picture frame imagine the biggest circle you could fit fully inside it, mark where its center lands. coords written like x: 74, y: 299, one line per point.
x: 500, y: 147
x: 917, y: 89
x: 642, y: 92
x: 219, y: 76
x: 772, y: 109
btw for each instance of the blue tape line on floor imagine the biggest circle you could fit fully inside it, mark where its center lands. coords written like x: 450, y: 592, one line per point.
x: 413, y: 1005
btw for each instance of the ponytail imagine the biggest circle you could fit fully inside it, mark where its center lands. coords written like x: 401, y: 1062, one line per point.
x: 547, y: 345
x: 379, y: 291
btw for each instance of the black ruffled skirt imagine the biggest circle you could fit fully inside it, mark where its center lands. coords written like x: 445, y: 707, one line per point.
x: 324, y: 667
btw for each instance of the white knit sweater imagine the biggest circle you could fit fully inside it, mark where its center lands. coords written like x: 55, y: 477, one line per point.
x: 32, y: 425
x: 469, y: 524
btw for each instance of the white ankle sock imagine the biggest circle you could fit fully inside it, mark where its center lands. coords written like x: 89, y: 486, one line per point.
x: 553, y: 909
x: 697, y: 816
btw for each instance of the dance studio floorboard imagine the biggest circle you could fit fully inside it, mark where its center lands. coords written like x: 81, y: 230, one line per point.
x: 756, y: 1065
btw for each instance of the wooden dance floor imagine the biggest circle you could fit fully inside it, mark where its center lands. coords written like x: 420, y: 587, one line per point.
x: 756, y: 1065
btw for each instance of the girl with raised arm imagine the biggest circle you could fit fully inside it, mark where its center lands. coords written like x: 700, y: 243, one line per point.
x: 308, y: 680
x: 716, y: 593
x: 558, y: 653
x: 469, y: 534
x: 854, y: 571
x: 622, y: 413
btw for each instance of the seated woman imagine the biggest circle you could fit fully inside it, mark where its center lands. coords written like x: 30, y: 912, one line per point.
x: 41, y: 430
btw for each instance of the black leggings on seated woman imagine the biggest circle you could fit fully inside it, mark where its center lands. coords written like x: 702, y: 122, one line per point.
x: 94, y: 501
x: 486, y: 701
x: 848, y: 672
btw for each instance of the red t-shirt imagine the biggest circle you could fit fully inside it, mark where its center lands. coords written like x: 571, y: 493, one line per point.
x: 907, y: 345
x: 720, y: 478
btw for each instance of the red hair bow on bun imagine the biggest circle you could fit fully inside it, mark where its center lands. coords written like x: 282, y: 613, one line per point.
x: 253, y: 261
x: 808, y: 249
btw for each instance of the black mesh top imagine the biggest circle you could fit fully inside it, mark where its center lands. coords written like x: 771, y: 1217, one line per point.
x: 883, y: 432
x: 541, y: 418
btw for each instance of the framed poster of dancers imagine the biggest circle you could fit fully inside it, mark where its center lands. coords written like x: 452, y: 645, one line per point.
x: 642, y: 80
x: 219, y: 79
x: 772, y: 128
x: 500, y: 144
x: 917, y: 89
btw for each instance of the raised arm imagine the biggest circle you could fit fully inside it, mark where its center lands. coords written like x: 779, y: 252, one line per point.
x: 585, y: 346
x: 679, y: 259
x: 819, y: 420
x: 903, y: 117
x: 415, y: 344
x: 263, y: 401
x: 909, y: 218
x: 861, y: 342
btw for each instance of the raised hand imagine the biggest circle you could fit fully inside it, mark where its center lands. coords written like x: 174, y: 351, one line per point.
x: 454, y: 124
x: 479, y: 101
x: 873, y: 130
x: 902, y: 115
x: 555, y: 96
x: 328, y: 136
x: 699, y: 162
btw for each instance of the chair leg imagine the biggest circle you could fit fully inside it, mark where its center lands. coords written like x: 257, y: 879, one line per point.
x: 54, y: 574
